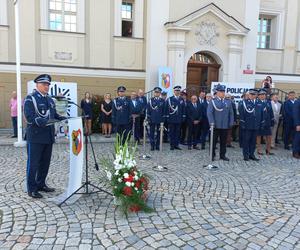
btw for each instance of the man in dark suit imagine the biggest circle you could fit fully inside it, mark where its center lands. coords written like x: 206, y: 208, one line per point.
x: 194, y: 115
x: 136, y: 111
x: 204, y: 126
x: 143, y: 101
x: 288, y: 120
x: 296, y: 142
x: 184, y: 125
x: 39, y: 108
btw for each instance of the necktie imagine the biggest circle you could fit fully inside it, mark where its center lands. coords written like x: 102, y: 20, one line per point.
x: 195, y: 105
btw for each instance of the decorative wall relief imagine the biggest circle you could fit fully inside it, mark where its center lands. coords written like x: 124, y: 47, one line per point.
x: 206, y: 33
x: 63, y: 56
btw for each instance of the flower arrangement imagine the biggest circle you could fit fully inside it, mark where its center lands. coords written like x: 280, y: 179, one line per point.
x: 128, y: 183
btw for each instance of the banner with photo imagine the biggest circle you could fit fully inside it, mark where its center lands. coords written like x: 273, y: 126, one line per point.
x: 234, y: 89
x: 165, y: 79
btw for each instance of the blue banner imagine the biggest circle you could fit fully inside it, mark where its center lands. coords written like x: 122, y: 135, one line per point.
x: 165, y: 79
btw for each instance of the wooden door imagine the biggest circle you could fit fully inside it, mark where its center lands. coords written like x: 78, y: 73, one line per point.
x: 213, y: 75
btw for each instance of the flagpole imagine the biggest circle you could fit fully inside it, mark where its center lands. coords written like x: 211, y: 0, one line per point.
x: 20, y: 142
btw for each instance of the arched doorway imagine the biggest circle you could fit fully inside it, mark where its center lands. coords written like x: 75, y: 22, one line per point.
x: 202, y: 70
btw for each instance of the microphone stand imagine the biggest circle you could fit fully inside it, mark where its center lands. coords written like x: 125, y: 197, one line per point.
x: 87, y: 183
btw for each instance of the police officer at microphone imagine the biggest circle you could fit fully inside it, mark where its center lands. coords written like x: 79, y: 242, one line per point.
x: 39, y: 109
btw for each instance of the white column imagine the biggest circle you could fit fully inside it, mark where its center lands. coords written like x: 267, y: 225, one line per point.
x: 234, y: 57
x: 138, y: 19
x: 3, y: 12
x: 20, y: 142
x: 250, y: 51
x: 290, y: 41
x: 157, y: 40
x: 118, y: 17
x: 176, y: 48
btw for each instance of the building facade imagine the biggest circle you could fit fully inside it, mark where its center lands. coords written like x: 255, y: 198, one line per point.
x: 101, y: 44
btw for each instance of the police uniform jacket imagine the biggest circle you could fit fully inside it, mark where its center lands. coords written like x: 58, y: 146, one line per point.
x: 296, y: 113
x: 174, y: 110
x: 250, y: 115
x: 220, y: 113
x: 194, y: 113
x: 121, y: 111
x: 267, y: 114
x: 38, y: 110
x: 155, y: 110
x: 288, y: 118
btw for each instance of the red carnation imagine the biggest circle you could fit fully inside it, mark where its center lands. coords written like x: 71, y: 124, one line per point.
x: 127, y: 191
x: 138, y: 184
x: 129, y: 179
x: 135, y: 208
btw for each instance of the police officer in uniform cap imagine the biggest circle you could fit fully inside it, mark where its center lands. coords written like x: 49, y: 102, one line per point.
x: 250, y: 122
x: 220, y: 114
x: 164, y: 96
x: 39, y: 109
x: 121, y: 113
x: 155, y: 116
x: 268, y: 122
x: 174, y: 112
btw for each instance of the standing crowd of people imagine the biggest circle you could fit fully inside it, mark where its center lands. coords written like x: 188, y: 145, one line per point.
x: 187, y: 121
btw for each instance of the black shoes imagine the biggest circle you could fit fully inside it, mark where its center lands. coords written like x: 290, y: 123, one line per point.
x: 196, y: 147
x: 246, y: 159
x: 287, y: 147
x: 47, y: 189
x: 178, y: 148
x: 13, y: 136
x: 35, y: 195
x: 152, y: 148
x: 203, y: 147
x: 224, y: 158
x: 253, y: 158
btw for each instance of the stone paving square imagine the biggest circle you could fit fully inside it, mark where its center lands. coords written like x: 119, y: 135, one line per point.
x: 241, y: 205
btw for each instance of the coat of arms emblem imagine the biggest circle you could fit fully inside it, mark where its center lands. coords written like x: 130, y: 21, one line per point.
x: 76, y: 141
x: 206, y: 33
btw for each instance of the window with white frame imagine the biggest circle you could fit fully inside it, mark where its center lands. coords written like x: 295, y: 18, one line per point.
x: 63, y: 15
x: 127, y: 18
x: 265, y: 32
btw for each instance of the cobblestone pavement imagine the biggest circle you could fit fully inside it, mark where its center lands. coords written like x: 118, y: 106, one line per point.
x: 242, y: 205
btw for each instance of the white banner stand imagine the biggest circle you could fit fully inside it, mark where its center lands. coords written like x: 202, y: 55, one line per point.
x: 76, y: 141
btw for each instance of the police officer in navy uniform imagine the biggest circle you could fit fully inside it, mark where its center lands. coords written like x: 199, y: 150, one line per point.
x: 220, y: 114
x: 155, y: 116
x: 121, y: 114
x: 268, y: 122
x: 296, y: 142
x: 39, y: 109
x: 250, y: 122
x: 194, y: 114
x: 184, y: 124
x: 174, y: 113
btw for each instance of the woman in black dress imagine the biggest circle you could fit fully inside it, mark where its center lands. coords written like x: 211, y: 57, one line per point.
x: 106, y: 110
x: 86, y: 105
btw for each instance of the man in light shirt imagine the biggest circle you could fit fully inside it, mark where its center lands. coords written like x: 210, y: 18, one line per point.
x: 276, y: 106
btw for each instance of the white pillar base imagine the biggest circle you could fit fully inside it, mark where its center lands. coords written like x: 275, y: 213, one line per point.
x: 20, y: 144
